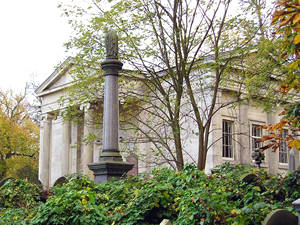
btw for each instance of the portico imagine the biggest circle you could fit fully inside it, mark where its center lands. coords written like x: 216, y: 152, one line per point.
x: 63, y: 149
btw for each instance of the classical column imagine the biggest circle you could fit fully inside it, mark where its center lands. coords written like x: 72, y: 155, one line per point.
x: 87, y: 149
x: 44, y: 154
x: 297, y: 159
x: 291, y: 161
x: 244, y: 135
x: 272, y: 157
x: 66, y: 148
x: 97, y: 150
x: 73, y: 148
x: 110, y: 162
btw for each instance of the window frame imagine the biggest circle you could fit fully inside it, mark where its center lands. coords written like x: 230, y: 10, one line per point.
x: 258, y: 124
x: 230, y: 143
x: 255, y: 137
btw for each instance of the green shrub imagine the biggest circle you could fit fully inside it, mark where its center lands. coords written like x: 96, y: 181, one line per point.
x: 13, y: 216
x: 17, y: 193
x: 185, y: 197
x: 18, y: 201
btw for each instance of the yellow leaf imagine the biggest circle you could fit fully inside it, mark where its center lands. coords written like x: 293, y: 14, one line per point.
x: 296, y: 18
x: 295, y: 143
x: 297, y: 39
x: 257, y: 188
x: 136, y: 192
x: 293, y: 65
x: 176, y: 199
x: 285, y: 21
x: 84, y: 201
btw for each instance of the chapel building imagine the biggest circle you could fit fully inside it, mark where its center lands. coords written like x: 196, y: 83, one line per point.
x: 235, y: 134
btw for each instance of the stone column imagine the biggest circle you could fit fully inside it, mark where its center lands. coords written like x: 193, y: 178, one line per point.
x: 111, y: 163
x: 291, y: 161
x: 45, y: 145
x: 66, y: 148
x: 87, y: 149
x: 97, y: 150
x: 111, y: 117
x: 244, y: 135
x: 297, y: 159
x: 73, y: 148
x: 272, y: 158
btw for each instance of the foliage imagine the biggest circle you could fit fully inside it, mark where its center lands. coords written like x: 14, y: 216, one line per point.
x: 17, y: 193
x: 19, y: 136
x: 286, y: 20
x: 19, y: 200
x: 180, y: 54
x: 23, y: 168
x: 185, y: 197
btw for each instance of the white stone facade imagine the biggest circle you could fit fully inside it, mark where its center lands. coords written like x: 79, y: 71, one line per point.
x: 63, y: 152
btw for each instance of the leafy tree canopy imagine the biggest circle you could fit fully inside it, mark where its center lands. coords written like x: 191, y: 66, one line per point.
x: 19, y: 136
x: 286, y: 21
x: 182, y: 52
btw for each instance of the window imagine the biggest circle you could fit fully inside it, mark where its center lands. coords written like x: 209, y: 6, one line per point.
x: 256, y: 135
x: 283, y: 154
x: 227, y: 147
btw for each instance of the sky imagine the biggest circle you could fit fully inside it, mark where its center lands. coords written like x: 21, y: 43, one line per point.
x: 31, y: 41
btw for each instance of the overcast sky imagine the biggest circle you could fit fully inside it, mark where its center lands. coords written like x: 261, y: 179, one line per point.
x: 31, y: 41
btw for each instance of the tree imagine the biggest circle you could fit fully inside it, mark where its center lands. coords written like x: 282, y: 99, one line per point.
x: 286, y: 20
x: 181, y: 53
x: 19, y: 139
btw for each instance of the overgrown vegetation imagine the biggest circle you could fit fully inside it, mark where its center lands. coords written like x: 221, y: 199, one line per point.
x: 185, y: 197
x: 19, y: 137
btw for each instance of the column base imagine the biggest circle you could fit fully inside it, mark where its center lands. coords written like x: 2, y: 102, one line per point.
x: 106, y: 170
x: 110, y: 156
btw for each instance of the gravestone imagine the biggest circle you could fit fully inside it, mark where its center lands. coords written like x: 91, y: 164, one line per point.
x: 60, y: 181
x: 165, y: 222
x: 249, y: 178
x: 296, y: 204
x: 280, y: 217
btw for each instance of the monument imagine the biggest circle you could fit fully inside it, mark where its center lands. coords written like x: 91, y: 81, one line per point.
x: 110, y: 162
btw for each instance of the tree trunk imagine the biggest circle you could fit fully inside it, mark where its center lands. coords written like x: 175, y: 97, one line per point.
x: 178, y: 147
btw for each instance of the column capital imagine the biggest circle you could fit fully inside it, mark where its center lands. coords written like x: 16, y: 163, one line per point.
x: 87, y: 106
x: 46, y: 117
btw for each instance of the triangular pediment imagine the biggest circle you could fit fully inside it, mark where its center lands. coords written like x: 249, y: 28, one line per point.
x: 57, y: 80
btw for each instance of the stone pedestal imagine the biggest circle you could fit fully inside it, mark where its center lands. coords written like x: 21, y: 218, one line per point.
x: 106, y: 170
x: 110, y: 161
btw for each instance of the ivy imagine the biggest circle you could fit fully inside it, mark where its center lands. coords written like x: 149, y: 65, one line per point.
x: 185, y: 197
